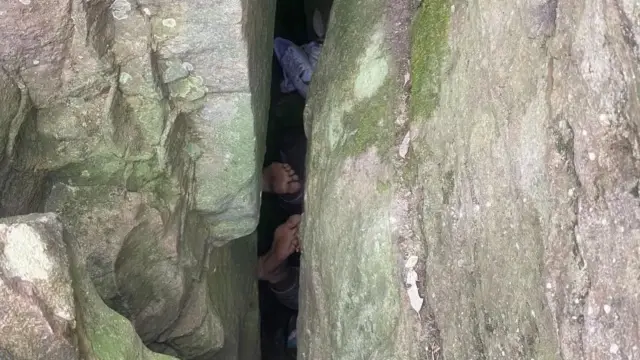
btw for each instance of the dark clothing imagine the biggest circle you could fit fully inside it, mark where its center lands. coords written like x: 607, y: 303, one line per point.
x: 286, y: 291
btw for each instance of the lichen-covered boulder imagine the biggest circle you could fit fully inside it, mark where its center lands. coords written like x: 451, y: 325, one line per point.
x: 50, y: 309
x: 142, y: 125
x: 130, y: 94
x: 484, y: 204
x: 353, y: 298
x: 132, y: 250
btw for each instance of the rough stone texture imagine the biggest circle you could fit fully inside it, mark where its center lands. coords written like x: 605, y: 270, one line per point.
x: 352, y: 269
x: 509, y: 192
x: 37, y: 306
x: 43, y: 315
x: 235, y: 295
x: 142, y: 124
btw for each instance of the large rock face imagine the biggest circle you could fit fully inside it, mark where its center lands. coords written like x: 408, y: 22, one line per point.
x: 495, y: 216
x: 142, y: 124
x: 43, y: 315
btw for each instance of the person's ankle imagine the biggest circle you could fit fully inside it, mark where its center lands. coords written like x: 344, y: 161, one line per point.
x: 278, y: 275
x: 285, y: 279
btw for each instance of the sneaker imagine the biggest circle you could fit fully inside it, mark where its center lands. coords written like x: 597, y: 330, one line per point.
x: 295, y: 65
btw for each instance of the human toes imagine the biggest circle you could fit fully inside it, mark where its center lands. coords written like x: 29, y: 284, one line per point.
x: 291, y: 174
x: 293, y: 221
x: 296, y: 241
x: 286, y: 180
x: 281, y: 178
x: 294, y: 185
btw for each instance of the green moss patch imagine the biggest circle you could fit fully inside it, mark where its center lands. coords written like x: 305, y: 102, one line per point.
x: 428, y: 49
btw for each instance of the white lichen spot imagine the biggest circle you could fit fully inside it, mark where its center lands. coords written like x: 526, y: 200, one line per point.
x: 170, y: 23
x: 25, y: 254
x: 414, y: 297
x: 549, y: 286
x: 404, y: 146
x: 36, y: 62
x: 604, y: 119
x: 488, y: 204
x: 187, y: 66
x: 146, y: 11
x: 412, y: 277
x: 25, y: 2
x: 411, y: 262
x: 124, y: 78
x: 592, y: 156
x: 120, y: 9
x: 372, y: 69
x: 335, y: 129
x: 621, y: 229
x: 607, y: 308
x: 85, y: 173
x: 584, y: 133
x: 590, y: 310
x: 614, y: 348
x: 571, y: 192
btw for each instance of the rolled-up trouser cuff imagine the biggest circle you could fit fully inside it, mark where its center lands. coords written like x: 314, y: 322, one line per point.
x: 288, y: 294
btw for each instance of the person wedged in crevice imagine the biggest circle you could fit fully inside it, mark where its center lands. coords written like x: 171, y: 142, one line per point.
x: 286, y: 176
x: 286, y: 180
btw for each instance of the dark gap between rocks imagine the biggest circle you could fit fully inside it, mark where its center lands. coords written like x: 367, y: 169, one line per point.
x: 294, y: 23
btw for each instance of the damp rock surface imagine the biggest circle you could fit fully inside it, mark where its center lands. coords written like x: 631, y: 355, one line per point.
x: 497, y: 217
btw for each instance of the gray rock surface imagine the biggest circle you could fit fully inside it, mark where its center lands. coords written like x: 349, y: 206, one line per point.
x: 109, y: 111
x: 472, y: 190
x: 43, y: 315
x: 497, y: 216
x: 142, y: 124
x: 36, y: 298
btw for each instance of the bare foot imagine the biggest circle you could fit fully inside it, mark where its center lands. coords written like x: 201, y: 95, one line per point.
x: 280, y: 178
x: 286, y: 239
